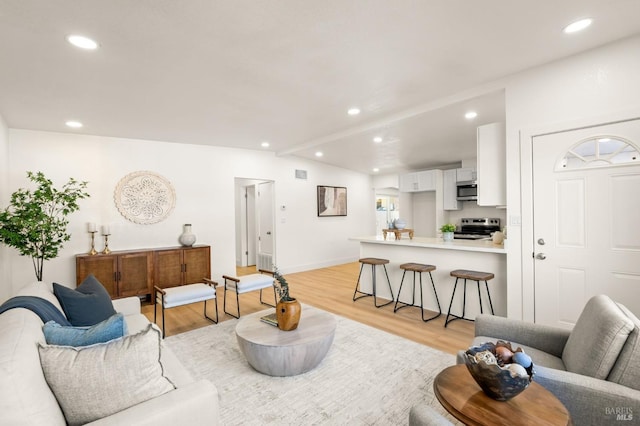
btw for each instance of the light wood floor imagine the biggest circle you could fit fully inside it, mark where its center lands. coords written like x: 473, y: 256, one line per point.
x: 330, y: 289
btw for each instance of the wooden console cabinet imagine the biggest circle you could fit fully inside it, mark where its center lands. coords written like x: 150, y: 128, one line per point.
x: 135, y: 272
x: 181, y: 266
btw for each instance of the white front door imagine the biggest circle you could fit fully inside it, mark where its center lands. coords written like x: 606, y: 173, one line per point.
x: 586, y: 199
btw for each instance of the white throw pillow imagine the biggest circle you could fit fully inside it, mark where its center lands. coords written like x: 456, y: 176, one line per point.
x: 96, y: 381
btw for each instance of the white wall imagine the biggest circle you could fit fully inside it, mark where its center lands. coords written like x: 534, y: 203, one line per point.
x: 424, y: 214
x: 203, y: 178
x: 599, y: 85
x: 5, y: 273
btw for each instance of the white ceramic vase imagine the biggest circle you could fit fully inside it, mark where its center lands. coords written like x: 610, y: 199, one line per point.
x: 447, y: 236
x: 187, y: 238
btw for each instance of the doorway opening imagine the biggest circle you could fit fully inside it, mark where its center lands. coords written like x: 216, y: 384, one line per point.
x: 387, y: 209
x: 255, y: 226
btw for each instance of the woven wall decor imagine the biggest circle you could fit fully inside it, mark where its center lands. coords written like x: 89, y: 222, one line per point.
x: 144, y: 197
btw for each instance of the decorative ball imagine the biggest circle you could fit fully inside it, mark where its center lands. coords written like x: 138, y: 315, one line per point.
x: 504, y: 354
x: 499, y: 379
x: 522, y: 359
x: 516, y: 370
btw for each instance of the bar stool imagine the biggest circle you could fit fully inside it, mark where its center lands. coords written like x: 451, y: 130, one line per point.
x: 420, y: 268
x: 373, y: 261
x: 476, y: 276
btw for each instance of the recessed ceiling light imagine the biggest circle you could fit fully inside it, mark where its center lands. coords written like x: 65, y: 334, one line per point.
x: 319, y: 154
x: 471, y: 115
x: 377, y: 139
x: 73, y: 124
x: 376, y: 170
x: 353, y: 111
x: 82, y: 42
x: 577, y: 26
x: 265, y: 144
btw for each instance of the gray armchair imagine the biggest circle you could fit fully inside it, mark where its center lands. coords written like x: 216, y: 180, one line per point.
x: 593, y: 369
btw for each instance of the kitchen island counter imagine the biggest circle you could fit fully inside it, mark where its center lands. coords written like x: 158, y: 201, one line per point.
x: 445, y: 256
x: 486, y: 246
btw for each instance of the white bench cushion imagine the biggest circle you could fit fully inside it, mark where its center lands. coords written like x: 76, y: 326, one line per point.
x: 185, y: 294
x: 250, y: 283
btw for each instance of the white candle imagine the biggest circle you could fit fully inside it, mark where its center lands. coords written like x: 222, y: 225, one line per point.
x: 92, y: 227
x: 105, y: 230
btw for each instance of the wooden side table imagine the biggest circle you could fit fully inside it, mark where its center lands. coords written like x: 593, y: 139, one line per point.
x: 398, y: 233
x: 461, y: 396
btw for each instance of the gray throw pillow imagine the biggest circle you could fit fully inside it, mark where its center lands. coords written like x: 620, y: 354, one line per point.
x: 109, y: 329
x: 97, y: 381
x: 88, y: 304
x: 626, y: 370
x: 597, y: 338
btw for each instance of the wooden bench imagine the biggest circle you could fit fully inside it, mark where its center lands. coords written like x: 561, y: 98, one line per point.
x: 247, y: 283
x: 184, y: 295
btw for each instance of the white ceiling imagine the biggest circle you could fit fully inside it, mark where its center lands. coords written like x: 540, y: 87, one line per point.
x: 237, y: 73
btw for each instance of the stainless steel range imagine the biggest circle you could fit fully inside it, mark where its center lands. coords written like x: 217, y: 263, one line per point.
x: 477, y: 228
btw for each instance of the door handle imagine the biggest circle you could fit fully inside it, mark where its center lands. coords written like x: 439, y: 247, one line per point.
x: 541, y: 256
x: 268, y: 232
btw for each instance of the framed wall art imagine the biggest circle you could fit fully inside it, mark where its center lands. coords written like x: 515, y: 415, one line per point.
x: 332, y: 201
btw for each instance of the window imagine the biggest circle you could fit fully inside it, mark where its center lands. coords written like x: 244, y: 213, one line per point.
x: 600, y: 151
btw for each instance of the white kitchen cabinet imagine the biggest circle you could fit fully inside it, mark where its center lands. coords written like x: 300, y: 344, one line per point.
x: 419, y: 181
x: 491, y: 166
x: 450, y: 190
x: 465, y: 174
x: 409, y: 182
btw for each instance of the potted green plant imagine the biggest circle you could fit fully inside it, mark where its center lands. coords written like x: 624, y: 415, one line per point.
x: 35, y: 222
x: 447, y: 231
x: 288, y: 309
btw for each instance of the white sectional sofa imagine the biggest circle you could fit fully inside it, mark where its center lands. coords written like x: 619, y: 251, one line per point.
x: 26, y: 398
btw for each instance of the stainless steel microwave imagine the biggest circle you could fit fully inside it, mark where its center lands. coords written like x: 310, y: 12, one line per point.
x: 467, y: 191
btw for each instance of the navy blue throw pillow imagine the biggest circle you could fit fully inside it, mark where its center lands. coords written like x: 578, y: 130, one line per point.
x: 87, y: 305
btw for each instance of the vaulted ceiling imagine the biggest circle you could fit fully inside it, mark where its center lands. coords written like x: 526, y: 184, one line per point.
x: 243, y: 72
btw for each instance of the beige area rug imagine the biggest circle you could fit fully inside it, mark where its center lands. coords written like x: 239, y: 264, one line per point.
x: 369, y: 377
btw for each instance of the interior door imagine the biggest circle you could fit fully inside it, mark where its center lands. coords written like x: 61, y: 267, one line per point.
x: 264, y: 209
x: 251, y: 244
x: 586, y: 195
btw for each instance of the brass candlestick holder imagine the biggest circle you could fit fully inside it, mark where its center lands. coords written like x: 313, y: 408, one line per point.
x: 93, y: 250
x: 106, y: 244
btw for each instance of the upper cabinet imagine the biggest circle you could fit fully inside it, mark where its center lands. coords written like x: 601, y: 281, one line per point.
x: 419, y: 181
x: 491, y: 166
x: 465, y: 174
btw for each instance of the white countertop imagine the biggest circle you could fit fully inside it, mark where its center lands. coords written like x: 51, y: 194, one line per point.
x: 437, y: 243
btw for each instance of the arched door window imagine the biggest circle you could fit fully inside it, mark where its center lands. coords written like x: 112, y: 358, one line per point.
x: 599, y: 151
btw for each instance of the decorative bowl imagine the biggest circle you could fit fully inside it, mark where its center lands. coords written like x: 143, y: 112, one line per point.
x: 399, y: 224
x: 498, y: 379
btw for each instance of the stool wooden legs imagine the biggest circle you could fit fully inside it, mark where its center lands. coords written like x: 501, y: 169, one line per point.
x: 413, y: 298
x: 373, y: 293
x: 464, y: 301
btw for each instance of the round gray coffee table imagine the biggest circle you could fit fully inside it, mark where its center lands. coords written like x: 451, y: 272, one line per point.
x: 274, y: 352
